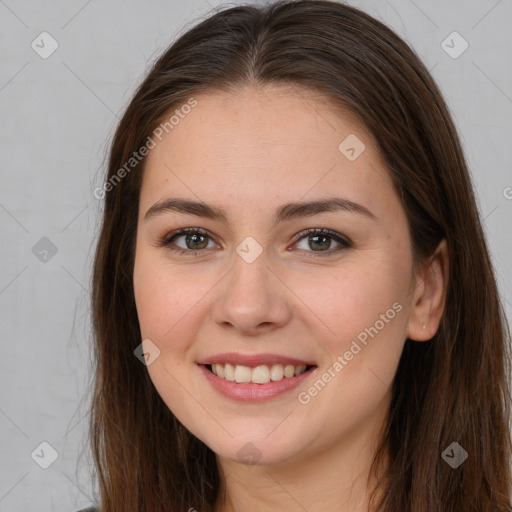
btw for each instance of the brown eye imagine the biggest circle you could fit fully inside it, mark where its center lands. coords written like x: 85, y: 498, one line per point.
x: 196, y: 241
x: 320, y: 240
x: 193, y: 240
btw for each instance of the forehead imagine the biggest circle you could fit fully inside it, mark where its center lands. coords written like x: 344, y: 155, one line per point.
x: 283, y: 140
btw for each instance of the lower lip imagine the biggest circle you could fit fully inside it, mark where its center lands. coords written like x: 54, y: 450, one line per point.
x: 250, y: 392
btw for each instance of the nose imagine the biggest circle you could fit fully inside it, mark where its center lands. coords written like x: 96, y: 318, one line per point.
x: 253, y: 299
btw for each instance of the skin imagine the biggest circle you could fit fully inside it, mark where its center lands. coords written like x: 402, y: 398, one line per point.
x: 250, y: 152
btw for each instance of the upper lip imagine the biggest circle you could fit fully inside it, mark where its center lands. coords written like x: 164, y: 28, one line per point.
x: 235, y: 358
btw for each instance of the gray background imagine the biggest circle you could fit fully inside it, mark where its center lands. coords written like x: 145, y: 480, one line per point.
x: 57, y: 117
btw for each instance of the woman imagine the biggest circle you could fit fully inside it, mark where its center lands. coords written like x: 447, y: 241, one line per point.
x: 236, y: 367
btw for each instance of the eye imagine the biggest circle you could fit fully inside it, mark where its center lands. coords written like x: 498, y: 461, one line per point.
x: 196, y: 240
x: 319, y: 239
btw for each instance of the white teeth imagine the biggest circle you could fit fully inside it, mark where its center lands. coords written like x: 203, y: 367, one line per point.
x: 262, y: 374
x: 242, y: 373
x: 289, y: 371
x: 229, y: 371
x: 276, y: 372
x: 220, y: 370
x: 299, y: 369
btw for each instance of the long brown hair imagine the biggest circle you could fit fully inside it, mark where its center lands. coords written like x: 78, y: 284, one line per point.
x: 451, y: 389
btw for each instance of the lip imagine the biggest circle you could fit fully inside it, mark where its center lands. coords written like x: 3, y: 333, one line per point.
x: 252, y: 360
x: 250, y: 392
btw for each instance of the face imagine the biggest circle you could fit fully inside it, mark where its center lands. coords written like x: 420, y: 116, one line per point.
x: 253, y: 293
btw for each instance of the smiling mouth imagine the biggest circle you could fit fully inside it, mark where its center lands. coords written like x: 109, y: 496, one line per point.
x: 263, y: 374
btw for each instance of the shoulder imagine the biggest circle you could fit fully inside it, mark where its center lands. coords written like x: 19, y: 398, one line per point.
x: 90, y: 509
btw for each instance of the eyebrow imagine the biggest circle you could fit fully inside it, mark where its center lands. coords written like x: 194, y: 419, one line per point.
x: 286, y: 212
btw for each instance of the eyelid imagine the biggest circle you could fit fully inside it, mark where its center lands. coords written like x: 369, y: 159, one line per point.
x: 343, y: 241
x: 166, y: 239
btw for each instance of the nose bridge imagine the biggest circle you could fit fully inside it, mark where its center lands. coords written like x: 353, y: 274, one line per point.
x: 252, y: 295
x: 249, y: 283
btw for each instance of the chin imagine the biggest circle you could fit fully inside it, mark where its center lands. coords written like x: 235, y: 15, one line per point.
x: 261, y: 451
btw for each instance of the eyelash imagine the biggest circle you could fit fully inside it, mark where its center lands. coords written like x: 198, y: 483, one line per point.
x: 344, y: 242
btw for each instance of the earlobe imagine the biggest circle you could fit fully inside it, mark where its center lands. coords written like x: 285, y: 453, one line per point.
x: 430, y: 295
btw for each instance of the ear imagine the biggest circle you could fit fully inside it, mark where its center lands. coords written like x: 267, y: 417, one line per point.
x: 429, y: 295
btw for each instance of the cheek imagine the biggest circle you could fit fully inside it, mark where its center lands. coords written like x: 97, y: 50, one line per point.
x: 157, y: 303
x: 156, y: 297
x: 345, y: 301
x: 363, y: 313
x: 168, y: 304
x: 168, y: 300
